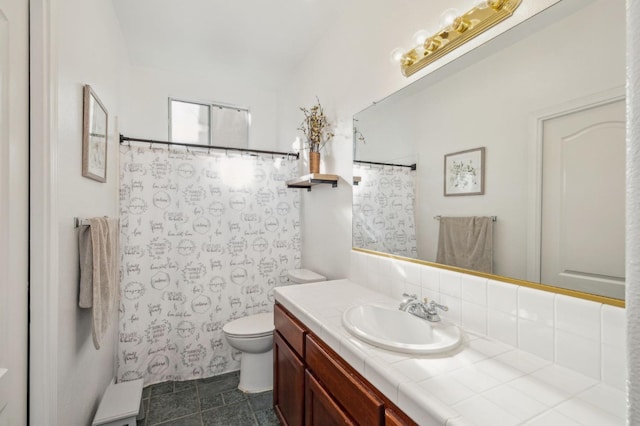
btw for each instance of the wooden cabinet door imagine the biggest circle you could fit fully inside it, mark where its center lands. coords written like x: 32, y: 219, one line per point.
x: 354, y: 396
x: 393, y: 419
x: 320, y: 408
x: 288, y: 391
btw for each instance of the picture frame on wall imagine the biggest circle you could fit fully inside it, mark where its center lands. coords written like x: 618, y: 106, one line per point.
x: 94, y: 136
x: 464, y: 172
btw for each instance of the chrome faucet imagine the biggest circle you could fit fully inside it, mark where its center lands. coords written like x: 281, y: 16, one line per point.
x: 432, y: 313
x: 421, y: 309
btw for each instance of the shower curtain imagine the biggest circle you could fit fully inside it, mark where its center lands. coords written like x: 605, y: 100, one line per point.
x: 205, y: 237
x: 383, y: 209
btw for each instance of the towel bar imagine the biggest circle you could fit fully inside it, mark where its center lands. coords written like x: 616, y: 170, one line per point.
x: 493, y: 218
x: 77, y: 222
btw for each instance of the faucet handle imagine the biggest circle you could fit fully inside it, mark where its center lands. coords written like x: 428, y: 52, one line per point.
x: 434, y: 305
x: 412, y: 296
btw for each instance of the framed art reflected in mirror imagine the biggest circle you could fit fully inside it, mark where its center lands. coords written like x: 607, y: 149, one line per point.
x: 464, y: 172
x: 94, y: 137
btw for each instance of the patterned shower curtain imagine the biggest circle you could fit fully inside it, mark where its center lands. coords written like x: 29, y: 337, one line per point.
x: 205, y: 237
x: 383, y: 209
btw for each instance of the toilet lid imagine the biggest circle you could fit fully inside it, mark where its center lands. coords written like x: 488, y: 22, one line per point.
x: 251, y: 325
x: 302, y: 276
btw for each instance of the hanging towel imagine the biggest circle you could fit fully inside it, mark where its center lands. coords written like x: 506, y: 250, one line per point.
x: 466, y: 242
x: 98, y: 249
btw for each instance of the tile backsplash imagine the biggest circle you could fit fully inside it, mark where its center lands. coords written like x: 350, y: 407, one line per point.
x: 587, y: 337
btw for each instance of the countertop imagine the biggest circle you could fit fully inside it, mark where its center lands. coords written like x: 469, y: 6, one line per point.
x: 482, y: 382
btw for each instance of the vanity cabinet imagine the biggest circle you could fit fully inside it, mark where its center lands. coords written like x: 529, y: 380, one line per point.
x: 314, y: 386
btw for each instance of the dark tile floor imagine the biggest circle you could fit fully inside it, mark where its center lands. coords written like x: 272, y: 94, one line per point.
x: 206, y: 402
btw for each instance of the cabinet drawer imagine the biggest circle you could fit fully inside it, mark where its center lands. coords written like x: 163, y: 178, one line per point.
x: 358, y: 401
x: 292, y: 331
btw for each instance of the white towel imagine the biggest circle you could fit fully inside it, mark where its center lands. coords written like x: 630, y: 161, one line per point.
x: 98, y: 249
x: 466, y: 242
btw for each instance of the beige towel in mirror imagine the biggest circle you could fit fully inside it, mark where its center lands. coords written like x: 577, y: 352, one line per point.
x: 466, y: 242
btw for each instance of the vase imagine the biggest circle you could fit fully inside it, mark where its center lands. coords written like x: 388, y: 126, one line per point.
x: 314, y: 162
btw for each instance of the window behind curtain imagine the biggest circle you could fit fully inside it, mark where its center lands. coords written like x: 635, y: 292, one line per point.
x: 208, y: 124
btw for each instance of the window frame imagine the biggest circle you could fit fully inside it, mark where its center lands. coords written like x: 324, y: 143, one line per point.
x: 210, y: 106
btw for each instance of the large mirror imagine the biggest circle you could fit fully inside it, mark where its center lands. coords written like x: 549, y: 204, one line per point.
x: 546, y: 102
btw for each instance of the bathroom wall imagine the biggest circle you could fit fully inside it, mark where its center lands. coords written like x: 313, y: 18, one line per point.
x: 633, y: 210
x: 348, y: 70
x: 146, y: 109
x: 90, y: 50
x: 584, y: 336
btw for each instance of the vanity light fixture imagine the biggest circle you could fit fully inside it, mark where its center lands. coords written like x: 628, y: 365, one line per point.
x: 456, y: 30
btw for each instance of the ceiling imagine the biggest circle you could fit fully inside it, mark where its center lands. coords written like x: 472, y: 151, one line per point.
x: 258, y: 42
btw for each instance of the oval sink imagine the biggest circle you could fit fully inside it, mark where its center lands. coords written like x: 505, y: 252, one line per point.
x: 400, y: 331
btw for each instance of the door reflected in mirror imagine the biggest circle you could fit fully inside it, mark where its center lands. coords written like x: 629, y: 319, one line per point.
x: 550, y: 67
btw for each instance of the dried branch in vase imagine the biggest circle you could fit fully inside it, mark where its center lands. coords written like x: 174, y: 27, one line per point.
x: 316, y: 127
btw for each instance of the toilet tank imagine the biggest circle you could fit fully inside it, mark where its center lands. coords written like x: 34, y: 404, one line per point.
x: 301, y: 276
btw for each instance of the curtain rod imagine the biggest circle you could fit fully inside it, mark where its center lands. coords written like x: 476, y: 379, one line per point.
x: 411, y: 166
x: 124, y: 139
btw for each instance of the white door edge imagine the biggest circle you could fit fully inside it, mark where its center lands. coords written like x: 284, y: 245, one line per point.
x: 43, y: 332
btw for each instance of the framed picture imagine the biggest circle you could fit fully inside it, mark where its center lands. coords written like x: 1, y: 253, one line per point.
x: 94, y: 137
x: 464, y: 172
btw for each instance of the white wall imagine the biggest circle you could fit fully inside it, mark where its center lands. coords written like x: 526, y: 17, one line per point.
x: 146, y: 108
x: 349, y: 69
x: 499, y: 98
x: 14, y: 128
x: 633, y: 211
x: 90, y: 50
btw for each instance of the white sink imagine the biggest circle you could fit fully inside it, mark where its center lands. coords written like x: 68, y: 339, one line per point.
x: 400, y: 331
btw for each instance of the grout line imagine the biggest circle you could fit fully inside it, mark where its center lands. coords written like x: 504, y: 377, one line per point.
x: 173, y: 419
x: 195, y: 383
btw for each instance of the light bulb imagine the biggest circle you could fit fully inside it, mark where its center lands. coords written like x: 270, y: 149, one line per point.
x: 397, y: 54
x: 420, y: 36
x: 447, y: 17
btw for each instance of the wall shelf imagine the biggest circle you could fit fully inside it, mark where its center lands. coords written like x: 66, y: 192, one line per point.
x: 307, y: 181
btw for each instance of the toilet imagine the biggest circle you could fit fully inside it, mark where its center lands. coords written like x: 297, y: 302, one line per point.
x: 253, y: 336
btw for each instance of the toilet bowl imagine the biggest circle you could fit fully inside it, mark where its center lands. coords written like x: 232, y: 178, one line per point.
x: 253, y: 336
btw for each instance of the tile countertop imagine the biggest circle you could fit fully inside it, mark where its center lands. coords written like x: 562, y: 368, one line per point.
x: 482, y: 382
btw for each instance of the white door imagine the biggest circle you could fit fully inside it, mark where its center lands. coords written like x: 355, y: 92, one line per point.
x: 583, y: 200
x: 14, y: 127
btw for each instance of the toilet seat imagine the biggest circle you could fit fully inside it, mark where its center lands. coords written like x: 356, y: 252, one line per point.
x: 252, y: 326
